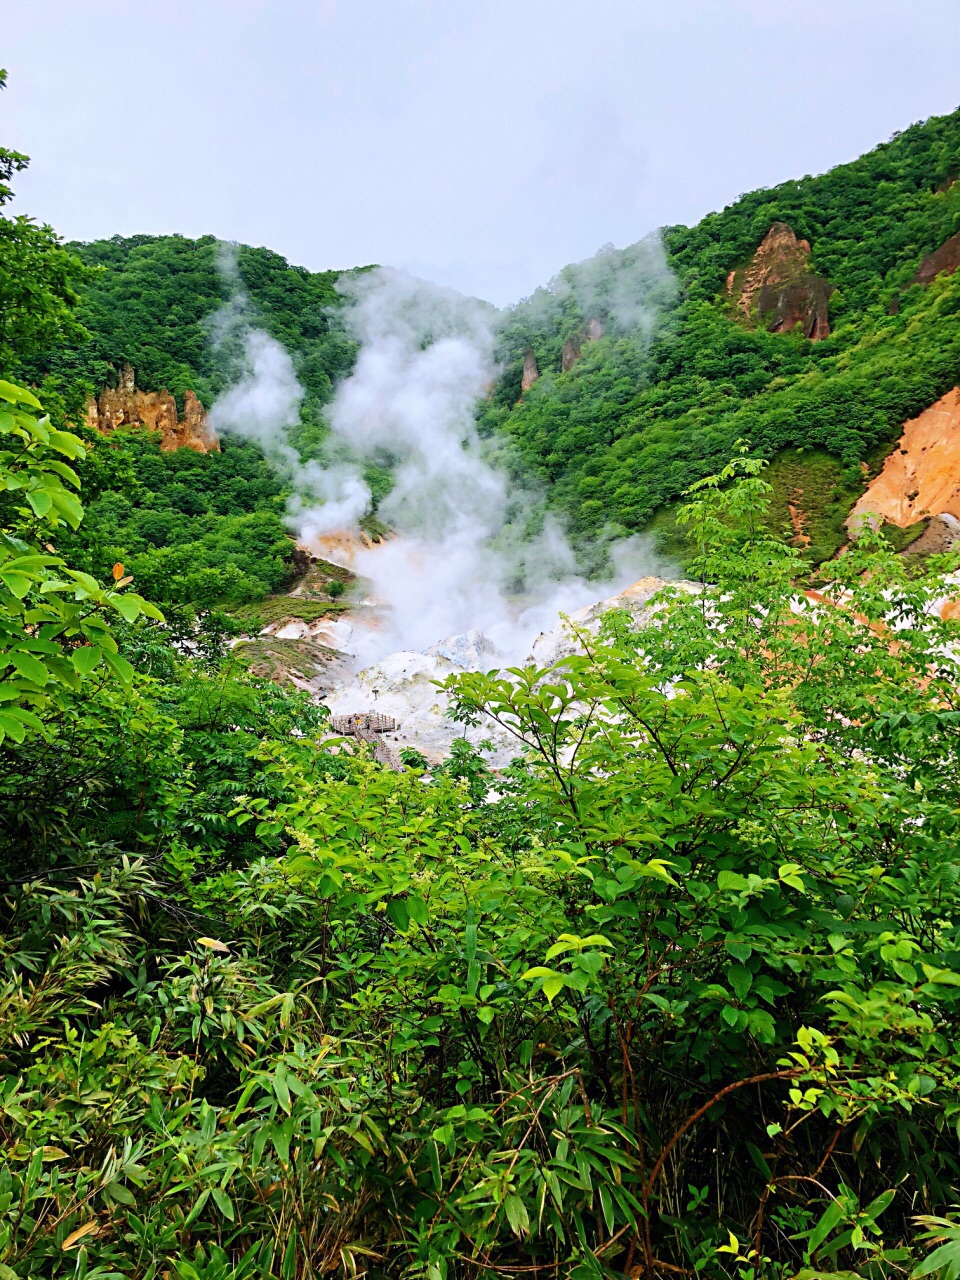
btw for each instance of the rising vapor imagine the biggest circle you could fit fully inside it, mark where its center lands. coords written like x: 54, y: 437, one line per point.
x: 463, y: 555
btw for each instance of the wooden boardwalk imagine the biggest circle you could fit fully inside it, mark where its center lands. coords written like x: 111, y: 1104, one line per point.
x: 368, y: 726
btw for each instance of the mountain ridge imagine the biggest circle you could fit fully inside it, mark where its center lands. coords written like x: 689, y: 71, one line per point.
x: 633, y: 374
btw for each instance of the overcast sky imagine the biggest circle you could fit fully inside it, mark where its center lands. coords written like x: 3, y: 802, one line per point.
x: 481, y: 143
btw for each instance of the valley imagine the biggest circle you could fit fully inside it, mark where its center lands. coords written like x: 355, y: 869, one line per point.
x: 479, y: 786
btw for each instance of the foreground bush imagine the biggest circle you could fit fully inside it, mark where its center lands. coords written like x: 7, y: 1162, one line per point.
x: 678, y: 993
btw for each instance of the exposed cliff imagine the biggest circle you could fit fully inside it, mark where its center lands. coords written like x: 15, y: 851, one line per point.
x: 570, y: 353
x: 530, y: 371
x: 946, y: 260
x: 126, y: 406
x: 778, y: 289
x: 573, y: 347
x: 921, y: 477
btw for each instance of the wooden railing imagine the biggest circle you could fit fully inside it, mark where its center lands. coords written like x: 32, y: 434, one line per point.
x: 367, y: 726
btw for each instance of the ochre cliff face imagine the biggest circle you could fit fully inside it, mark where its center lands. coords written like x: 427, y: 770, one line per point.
x: 570, y: 354
x: 944, y: 260
x: 574, y: 345
x: 530, y: 371
x: 778, y: 288
x: 922, y: 476
x: 125, y: 406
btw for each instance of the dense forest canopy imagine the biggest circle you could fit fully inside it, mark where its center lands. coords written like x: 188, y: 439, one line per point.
x: 192, y: 529
x: 152, y: 301
x: 674, y: 994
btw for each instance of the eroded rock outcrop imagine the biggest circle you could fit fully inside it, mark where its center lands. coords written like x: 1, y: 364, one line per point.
x: 943, y: 261
x: 530, y: 371
x: 570, y: 353
x: 126, y: 406
x: 778, y: 288
x: 573, y: 347
x: 921, y: 477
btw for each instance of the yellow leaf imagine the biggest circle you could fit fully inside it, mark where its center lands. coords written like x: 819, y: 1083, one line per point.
x: 213, y: 944
x: 117, y: 571
x: 88, y: 1229
x: 54, y: 1153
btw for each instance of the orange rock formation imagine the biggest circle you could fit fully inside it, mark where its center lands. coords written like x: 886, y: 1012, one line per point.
x: 573, y: 346
x: 530, y: 371
x: 570, y: 353
x: 779, y: 289
x: 125, y: 406
x: 922, y: 475
x: 946, y: 259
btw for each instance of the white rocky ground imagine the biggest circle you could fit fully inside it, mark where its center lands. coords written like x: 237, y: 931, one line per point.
x: 402, y: 684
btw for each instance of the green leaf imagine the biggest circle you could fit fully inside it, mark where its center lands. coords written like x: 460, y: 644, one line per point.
x: 789, y: 874
x: 119, y: 665
x: 18, y: 583
x: 832, y: 1217
x: 606, y: 1203
x: 280, y: 1136
x: 397, y: 911
x: 517, y: 1215
x: 433, y: 1155
x: 121, y: 1194
x: 223, y: 1202
x: 881, y: 1202
x: 740, y: 979
x: 945, y: 1259
x: 18, y: 395
x: 69, y: 507
x: 731, y: 880
x: 417, y: 909
x: 86, y: 658
x: 280, y: 1088
x: 553, y: 986
x: 197, y: 1208
x: 40, y: 500
x: 29, y: 667
x: 11, y: 728
x: 127, y: 606
x: 68, y: 444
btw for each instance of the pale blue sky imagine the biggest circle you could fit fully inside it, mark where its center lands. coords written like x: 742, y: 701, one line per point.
x: 480, y: 143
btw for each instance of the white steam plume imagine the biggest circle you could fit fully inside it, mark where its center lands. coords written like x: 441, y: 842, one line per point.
x: 264, y: 404
x: 462, y: 556
x: 629, y: 288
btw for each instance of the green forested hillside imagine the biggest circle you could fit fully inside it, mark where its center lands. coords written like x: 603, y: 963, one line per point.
x: 677, y: 376
x: 152, y: 299
x: 192, y: 529
x: 636, y: 420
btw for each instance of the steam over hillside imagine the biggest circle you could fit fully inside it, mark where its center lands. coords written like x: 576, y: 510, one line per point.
x: 579, y: 416
x: 475, y: 546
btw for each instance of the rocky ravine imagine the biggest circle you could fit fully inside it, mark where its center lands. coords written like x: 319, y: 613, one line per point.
x: 402, y: 684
